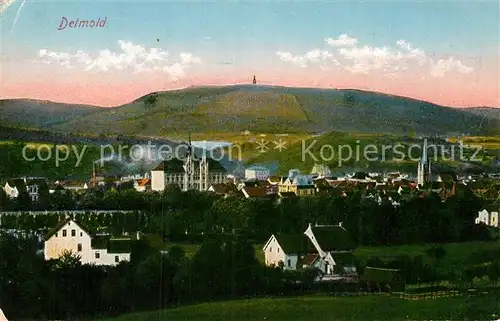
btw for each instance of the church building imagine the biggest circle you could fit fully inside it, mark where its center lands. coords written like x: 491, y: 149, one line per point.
x: 192, y: 172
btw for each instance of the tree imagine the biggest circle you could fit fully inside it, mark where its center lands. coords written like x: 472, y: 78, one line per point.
x: 176, y: 254
x: 348, y: 98
x: 150, y: 100
x: 4, y: 200
x: 68, y: 259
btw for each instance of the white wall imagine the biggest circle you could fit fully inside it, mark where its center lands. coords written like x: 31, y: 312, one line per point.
x: 106, y: 258
x: 260, y: 174
x: 483, y: 217
x: 274, y: 254
x: 157, y: 180
x: 494, y: 219
x: 57, y: 244
x: 293, y: 262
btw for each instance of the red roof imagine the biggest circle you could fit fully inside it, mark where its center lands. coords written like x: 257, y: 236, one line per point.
x: 255, y: 191
x: 309, y: 259
x: 143, y: 182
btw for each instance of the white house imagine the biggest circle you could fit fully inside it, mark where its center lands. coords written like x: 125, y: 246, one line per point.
x: 286, y: 249
x: 73, y: 185
x: 489, y: 218
x: 259, y: 173
x: 321, y: 170
x: 69, y: 236
x: 33, y: 186
x: 325, y: 247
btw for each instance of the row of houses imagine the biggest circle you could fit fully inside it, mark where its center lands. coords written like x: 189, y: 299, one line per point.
x: 327, y: 248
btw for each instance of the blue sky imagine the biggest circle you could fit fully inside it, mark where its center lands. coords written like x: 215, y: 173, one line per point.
x: 461, y: 27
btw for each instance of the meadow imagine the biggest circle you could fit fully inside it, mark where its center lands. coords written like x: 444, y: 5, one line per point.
x: 328, y: 308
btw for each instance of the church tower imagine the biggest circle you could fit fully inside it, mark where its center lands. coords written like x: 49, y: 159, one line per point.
x: 254, y: 80
x: 189, y: 167
x: 424, y: 167
x: 203, y: 172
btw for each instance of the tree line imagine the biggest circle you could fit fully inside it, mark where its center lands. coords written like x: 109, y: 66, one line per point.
x: 223, y: 268
x: 187, y: 216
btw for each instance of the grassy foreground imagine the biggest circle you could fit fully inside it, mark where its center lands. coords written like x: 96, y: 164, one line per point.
x: 326, y: 308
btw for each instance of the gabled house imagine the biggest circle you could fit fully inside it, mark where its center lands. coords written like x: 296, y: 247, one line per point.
x: 256, y: 192
x: 321, y: 170
x: 489, y: 216
x: 328, y: 248
x: 70, y: 236
x: 301, y: 185
x: 219, y: 189
x: 14, y: 187
x: 286, y: 250
x: 33, y: 186
x: 335, y: 248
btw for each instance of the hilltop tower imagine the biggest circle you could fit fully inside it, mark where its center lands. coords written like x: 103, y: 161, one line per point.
x: 254, y: 80
x: 424, y: 167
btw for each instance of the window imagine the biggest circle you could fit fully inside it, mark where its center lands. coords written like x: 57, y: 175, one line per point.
x: 65, y: 233
x: 278, y: 250
x: 81, y: 233
x: 56, y: 234
x: 79, y: 247
x: 289, y: 263
x: 97, y: 255
x: 73, y: 232
x: 117, y: 259
x: 270, y: 249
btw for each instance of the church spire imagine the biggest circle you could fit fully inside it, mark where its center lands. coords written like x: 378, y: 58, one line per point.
x: 254, y: 80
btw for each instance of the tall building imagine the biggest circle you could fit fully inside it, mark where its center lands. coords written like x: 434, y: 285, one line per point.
x: 424, y: 166
x: 190, y: 173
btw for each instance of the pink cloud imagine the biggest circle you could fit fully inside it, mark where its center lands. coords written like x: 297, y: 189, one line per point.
x: 475, y: 89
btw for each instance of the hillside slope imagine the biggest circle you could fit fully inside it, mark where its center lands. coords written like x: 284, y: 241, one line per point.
x: 38, y: 113
x: 487, y: 112
x: 273, y: 109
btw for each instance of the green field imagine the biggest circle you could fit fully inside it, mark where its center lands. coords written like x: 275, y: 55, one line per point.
x: 324, y: 308
x: 374, y: 152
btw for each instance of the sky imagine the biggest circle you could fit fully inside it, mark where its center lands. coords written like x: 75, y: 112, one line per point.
x: 446, y: 52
